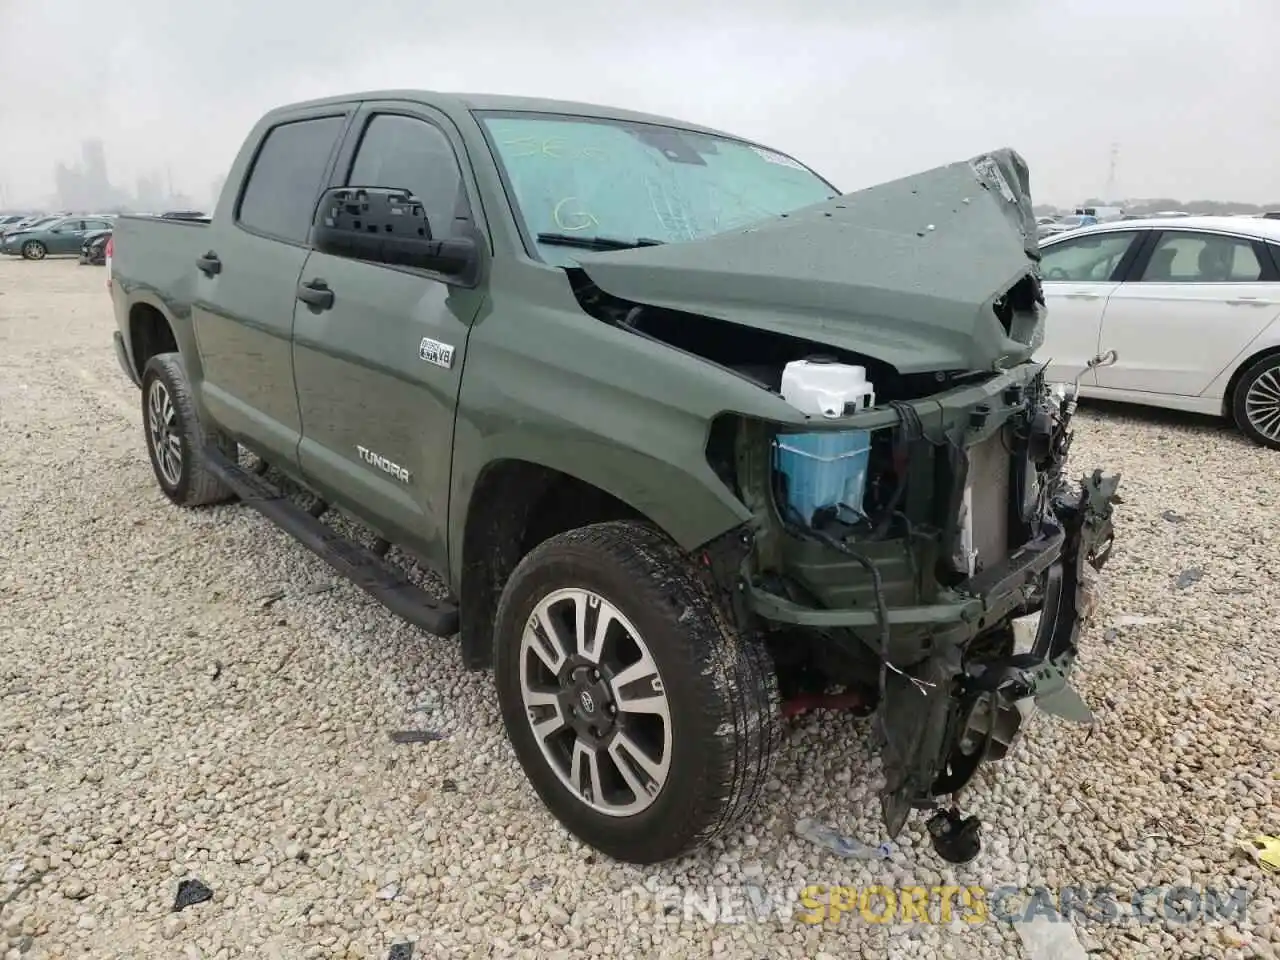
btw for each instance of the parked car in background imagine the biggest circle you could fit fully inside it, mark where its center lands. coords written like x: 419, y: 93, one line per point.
x: 1191, y: 306
x: 1100, y: 214
x: 22, y: 222
x: 61, y: 235
x: 93, y: 249
x: 11, y: 219
x: 1065, y: 224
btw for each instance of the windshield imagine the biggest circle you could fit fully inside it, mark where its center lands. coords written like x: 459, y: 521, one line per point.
x: 39, y: 223
x: 577, y: 180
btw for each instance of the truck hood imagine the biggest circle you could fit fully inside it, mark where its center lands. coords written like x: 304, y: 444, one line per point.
x: 916, y: 272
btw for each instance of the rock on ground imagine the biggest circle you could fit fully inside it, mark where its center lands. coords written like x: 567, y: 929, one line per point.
x: 161, y: 718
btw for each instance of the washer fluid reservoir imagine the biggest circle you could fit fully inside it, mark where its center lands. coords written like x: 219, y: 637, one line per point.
x: 825, y: 469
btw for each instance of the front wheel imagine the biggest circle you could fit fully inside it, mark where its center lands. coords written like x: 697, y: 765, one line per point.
x: 33, y: 250
x: 1256, y: 402
x: 644, y: 721
x: 175, y: 438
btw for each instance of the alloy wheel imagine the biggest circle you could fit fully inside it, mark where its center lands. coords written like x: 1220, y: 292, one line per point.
x: 165, y: 439
x: 1262, y: 404
x: 595, y: 701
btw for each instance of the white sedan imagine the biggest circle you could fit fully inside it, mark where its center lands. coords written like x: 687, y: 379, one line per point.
x: 1190, y: 306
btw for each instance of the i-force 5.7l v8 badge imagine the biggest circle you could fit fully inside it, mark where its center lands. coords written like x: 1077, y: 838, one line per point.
x: 433, y: 351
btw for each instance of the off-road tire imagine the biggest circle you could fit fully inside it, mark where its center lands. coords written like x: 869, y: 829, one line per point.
x: 34, y: 250
x: 720, y: 685
x: 195, y: 485
x: 1268, y: 368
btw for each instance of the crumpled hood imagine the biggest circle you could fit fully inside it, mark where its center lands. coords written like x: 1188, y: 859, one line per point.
x: 907, y: 272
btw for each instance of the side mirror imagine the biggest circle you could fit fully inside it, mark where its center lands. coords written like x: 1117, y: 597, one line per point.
x: 389, y: 225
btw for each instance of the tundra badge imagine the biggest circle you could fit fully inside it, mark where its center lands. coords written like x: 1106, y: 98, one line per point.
x: 433, y: 351
x: 383, y: 464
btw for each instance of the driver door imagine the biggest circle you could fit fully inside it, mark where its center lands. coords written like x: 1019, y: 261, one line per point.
x: 378, y: 370
x: 1079, y: 274
x: 66, y: 237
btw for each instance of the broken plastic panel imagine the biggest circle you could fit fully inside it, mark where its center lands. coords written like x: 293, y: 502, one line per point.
x: 190, y: 892
x: 841, y: 846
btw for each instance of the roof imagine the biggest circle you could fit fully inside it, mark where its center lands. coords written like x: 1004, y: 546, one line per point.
x: 1258, y: 229
x: 467, y: 102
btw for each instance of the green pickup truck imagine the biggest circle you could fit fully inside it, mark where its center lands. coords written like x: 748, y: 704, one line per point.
x: 687, y: 433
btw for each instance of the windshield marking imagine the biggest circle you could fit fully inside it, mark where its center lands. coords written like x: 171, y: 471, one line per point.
x: 626, y: 180
x: 585, y: 218
x: 554, y: 148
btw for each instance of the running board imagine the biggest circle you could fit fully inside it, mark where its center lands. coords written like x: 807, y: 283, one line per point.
x: 381, y: 580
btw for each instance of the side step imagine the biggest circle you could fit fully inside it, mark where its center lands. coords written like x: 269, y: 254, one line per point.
x: 383, y: 581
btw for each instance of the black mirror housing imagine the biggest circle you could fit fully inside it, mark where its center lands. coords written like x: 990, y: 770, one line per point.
x: 388, y: 225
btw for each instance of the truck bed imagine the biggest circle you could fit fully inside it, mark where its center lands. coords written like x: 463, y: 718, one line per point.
x: 158, y: 255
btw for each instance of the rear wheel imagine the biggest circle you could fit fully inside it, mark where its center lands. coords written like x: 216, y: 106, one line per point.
x: 175, y: 438
x: 33, y: 250
x: 644, y: 721
x: 1256, y: 402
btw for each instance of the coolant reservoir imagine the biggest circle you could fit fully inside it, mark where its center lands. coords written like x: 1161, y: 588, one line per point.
x: 825, y: 470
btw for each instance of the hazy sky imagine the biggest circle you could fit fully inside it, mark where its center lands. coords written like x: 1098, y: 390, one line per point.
x: 862, y: 90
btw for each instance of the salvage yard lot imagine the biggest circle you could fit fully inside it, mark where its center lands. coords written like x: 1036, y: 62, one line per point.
x: 192, y: 694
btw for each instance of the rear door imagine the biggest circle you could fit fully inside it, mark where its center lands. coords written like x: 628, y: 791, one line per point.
x: 378, y: 372
x: 1196, y: 299
x: 1079, y: 273
x: 247, y: 277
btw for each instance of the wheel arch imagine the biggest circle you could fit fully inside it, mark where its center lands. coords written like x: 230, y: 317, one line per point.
x: 152, y: 329
x: 1229, y: 392
x: 150, y: 333
x: 514, y: 505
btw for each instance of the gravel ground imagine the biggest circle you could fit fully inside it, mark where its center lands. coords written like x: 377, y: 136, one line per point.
x: 191, y: 694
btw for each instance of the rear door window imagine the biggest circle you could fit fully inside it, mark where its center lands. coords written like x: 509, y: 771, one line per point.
x: 1202, y: 258
x: 284, y: 182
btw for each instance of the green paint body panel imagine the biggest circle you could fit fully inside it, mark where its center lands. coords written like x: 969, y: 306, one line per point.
x: 906, y: 273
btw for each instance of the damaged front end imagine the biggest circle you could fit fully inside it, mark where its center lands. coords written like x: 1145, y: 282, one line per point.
x: 971, y: 525
x: 966, y: 523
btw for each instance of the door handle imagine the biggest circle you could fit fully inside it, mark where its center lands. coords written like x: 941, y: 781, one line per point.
x: 1083, y: 296
x: 1247, y: 302
x: 209, y: 264
x: 316, y: 294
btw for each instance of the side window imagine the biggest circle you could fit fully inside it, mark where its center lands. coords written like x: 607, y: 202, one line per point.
x: 284, y: 182
x: 412, y: 154
x: 96, y: 225
x: 1083, y: 259
x: 1202, y: 258
x: 70, y: 226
